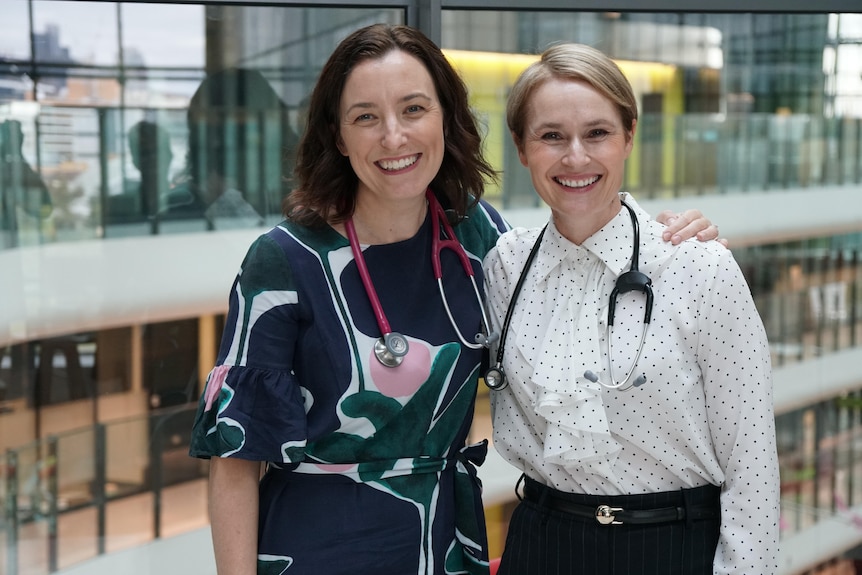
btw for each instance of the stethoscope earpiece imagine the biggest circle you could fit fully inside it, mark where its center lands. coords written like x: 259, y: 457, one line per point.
x: 639, y: 381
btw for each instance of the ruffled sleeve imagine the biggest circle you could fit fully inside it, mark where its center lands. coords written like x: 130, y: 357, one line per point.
x: 250, y: 413
x: 252, y: 406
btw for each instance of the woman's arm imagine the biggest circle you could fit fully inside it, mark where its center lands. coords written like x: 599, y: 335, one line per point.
x: 233, y: 507
x: 735, y: 361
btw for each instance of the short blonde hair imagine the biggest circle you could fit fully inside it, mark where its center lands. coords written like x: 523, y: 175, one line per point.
x: 576, y: 62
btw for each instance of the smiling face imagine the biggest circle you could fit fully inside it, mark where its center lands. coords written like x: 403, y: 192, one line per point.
x: 575, y: 146
x: 391, y: 128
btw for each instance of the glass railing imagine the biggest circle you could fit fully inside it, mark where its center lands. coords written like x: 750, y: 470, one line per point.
x: 110, y: 172
x: 77, y: 495
x: 820, y: 454
x: 87, y: 173
x: 808, y: 294
x: 751, y: 152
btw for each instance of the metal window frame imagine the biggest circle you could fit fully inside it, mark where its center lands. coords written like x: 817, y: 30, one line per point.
x: 782, y: 6
x: 777, y: 6
x: 426, y: 14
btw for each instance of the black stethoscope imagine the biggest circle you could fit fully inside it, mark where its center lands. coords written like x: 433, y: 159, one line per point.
x: 391, y: 347
x: 632, y: 280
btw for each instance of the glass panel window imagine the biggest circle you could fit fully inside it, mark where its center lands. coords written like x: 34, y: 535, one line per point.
x: 14, y: 35
x: 162, y: 74
x: 75, y: 32
x: 129, y: 119
x: 144, y: 118
x: 181, y: 35
x: 728, y: 102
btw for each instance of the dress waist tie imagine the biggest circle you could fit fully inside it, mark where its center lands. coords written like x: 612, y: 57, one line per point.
x: 469, y: 512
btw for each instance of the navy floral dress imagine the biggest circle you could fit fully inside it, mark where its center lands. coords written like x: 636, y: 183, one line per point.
x: 368, y: 471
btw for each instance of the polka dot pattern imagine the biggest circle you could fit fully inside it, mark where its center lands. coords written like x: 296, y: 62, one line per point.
x: 704, y: 414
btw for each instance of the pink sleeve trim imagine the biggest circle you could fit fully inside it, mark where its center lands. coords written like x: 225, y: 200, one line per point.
x: 214, y: 383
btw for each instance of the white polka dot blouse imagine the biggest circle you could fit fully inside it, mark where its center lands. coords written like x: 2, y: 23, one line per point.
x: 704, y: 413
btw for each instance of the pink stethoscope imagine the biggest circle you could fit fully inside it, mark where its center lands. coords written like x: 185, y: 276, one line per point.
x: 391, y: 347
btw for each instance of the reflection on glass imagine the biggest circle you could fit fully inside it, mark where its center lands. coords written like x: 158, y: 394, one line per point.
x: 728, y: 102
x: 143, y: 118
x: 240, y: 148
x: 24, y: 199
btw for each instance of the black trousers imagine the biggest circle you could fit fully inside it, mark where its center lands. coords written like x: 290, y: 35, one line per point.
x: 543, y: 540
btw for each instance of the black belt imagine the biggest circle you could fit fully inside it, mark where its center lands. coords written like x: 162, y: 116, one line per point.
x: 610, y: 515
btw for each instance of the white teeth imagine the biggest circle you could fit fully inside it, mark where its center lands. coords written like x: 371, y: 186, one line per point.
x: 577, y: 183
x: 392, y: 165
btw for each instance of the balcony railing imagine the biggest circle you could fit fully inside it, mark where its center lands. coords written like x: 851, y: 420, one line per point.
x: 80, y: 175
x: 81, y: 494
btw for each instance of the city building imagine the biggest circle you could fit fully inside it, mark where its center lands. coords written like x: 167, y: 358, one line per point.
x: 116, y: 259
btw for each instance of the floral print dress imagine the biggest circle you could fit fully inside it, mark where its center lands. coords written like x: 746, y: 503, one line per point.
x: 368, y: 469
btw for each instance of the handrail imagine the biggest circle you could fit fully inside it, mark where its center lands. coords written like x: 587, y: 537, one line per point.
x: 816, y: 385
x: 706, y: 155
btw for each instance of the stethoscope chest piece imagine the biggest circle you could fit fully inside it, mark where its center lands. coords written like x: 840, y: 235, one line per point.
x: 391, y: 349
x: 495, y: 378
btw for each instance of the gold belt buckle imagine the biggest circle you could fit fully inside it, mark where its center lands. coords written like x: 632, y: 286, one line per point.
x: 605, y: 515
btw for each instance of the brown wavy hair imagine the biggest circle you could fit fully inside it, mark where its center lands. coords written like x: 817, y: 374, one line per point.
x: 326, y: 183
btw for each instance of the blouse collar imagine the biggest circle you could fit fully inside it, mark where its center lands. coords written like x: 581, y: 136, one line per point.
x: 612, y: 244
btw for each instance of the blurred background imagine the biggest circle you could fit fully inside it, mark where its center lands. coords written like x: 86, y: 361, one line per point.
x: 144, y: 145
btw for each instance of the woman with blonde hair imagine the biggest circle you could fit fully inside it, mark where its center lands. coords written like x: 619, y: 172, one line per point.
x: 635, y: 380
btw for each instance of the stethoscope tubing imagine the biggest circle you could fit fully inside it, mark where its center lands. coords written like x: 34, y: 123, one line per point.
x: 392, y: 347
x: 632, y: 280
x: 495, y: 378
x: 438, y: 217
x: 365, y: 276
